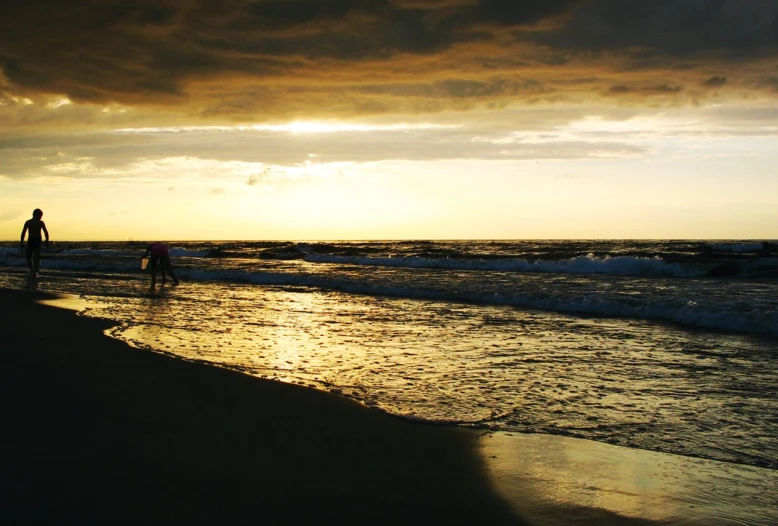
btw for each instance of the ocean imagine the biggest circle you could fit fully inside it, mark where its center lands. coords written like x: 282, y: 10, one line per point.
x: 668, y: 346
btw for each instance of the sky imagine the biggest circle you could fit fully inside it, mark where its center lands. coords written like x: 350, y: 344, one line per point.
x: 390, y: 119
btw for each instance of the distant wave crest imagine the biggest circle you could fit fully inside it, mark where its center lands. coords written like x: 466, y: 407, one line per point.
x: 718, y: 316
x: 736, y: 248
x: 589, y: 264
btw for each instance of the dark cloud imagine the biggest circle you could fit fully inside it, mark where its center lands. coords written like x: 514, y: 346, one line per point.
x: 433, y: 15
x: 457, y: 88
x: 507, y: 12
x: 662, y: 89
x: 161, y: 53
x: 715, y: 82
x: 261, y: 59
x: 670, y: 29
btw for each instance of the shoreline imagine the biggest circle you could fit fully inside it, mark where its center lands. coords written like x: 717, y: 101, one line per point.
x: 97, y: 432
x: 97, y: 429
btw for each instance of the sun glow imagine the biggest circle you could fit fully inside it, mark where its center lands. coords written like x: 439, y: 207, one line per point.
x: 664, y: 173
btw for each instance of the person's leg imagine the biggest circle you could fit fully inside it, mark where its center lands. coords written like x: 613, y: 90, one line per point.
x: 153, y: 264
x: 170, y: 270
x: 28, y: 256
x: 36, y: 258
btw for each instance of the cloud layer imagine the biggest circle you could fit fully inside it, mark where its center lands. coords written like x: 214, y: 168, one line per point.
x: 260, y: 60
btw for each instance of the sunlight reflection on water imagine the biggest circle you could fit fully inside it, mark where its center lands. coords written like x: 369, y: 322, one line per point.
x: 627, y: 382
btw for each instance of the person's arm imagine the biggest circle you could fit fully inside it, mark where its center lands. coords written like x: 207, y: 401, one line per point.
x: 43, y: 226
x: 148, y: 251
x: 24, y: 232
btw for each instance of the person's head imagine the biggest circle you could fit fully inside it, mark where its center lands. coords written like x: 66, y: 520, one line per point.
x: 37, y: 213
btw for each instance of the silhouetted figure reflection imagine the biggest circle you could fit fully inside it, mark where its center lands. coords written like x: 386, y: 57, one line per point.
x: 160, y: 254
x: 34, y: 226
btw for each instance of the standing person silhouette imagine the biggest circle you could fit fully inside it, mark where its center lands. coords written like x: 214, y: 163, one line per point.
x: 34, y: 226
x: 160, y: 253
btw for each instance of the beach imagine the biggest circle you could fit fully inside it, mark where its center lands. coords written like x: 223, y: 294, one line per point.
x: 431, y: 262
x: 97, y: 432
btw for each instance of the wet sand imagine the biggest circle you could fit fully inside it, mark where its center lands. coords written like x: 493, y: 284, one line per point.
x: 563, y: 480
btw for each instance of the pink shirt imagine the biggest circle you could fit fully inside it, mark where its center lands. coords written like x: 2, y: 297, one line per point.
x: 159, y: 249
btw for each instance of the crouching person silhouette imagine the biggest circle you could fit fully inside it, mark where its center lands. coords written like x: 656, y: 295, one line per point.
x: 160, y: 254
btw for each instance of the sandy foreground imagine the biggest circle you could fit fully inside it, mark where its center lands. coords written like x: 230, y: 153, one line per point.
x: 96, y: 432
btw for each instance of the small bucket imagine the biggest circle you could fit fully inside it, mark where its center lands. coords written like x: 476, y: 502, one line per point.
x: 144, y: 262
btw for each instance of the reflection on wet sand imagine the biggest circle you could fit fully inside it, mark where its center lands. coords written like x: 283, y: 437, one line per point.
x: 541, y: 475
